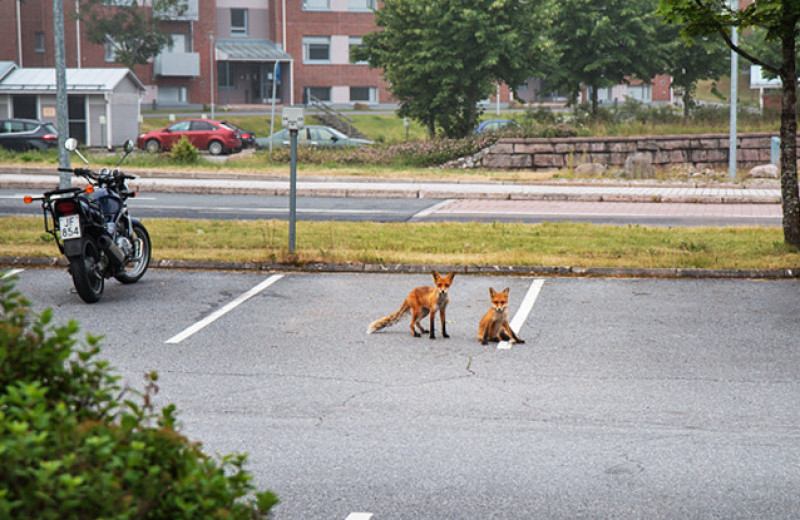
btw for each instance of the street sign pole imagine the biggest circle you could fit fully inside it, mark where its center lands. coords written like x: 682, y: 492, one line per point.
x: 734, y: 98
x: 293, y: 119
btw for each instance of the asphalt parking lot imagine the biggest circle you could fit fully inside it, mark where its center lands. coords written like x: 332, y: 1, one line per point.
x: 631, y: 398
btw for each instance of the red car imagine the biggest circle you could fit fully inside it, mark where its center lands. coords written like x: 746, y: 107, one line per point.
x: 204, y: 134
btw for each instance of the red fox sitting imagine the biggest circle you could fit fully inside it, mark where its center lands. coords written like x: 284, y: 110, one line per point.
x: 421, y: 302
x: 494, y: 325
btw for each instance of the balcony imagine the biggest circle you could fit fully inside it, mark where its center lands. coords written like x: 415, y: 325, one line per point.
x: 192, y: 12
x: 174, y: 64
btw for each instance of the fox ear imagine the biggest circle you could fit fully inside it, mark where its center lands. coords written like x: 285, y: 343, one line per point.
x: 435, y: 275
x: 506, y: 291
x: 451, y: 276
x: 491, y: 292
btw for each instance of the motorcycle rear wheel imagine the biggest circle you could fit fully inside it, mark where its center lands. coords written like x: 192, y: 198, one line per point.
x: 133, y: 272
x: 87, y: 281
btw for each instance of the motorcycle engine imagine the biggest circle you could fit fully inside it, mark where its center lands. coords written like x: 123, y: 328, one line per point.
x: 125, y: 246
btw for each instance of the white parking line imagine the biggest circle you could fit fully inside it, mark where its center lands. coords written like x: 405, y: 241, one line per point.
x: 524, y: 309
x: 432, y: 209
x: 11, y: 272
x: 224, y: 310
x: 359, y: 516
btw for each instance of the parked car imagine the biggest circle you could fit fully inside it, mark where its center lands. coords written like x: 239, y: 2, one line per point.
x: 204, y: 134
x: 248, y: 137
x: 27, y: 134
x: 497, y: 125
x: 312, y: 135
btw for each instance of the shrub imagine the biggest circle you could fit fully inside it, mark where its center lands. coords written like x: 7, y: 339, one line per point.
x: 69, y: 448
x: 184, y: 152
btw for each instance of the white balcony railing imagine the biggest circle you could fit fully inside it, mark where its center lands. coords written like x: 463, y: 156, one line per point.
x: 177, y: 64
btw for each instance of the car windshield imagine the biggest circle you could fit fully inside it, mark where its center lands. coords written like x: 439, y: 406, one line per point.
x: 337, y: 133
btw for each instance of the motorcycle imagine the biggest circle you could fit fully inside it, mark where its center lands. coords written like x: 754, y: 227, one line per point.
x: 93, y: 229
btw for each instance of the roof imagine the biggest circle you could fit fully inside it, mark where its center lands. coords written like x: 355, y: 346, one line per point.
x: 93, y: 80
x: 6, y: 67
x: 250, y: 50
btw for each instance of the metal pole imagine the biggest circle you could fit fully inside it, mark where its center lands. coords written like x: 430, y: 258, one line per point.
x: 272, y: 119
x: 62, y: 110
x: 293, y: 191
x: 734, y: 95
x: 211, y: 67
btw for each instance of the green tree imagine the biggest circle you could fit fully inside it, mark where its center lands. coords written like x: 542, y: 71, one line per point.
x: 131, y: 27
x: 702, y: 58
x: 74, y: 444
x: 603, y: 44
x: 779, y: 19
x: 441, y: 58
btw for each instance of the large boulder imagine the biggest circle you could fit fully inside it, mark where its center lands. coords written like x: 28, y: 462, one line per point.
x: 639, y: 166
x: 765, y: 171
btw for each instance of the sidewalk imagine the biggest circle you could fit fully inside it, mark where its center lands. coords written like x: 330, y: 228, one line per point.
x: 307, y: 186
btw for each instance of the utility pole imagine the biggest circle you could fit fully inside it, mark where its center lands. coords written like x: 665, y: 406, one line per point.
x: 734, y: 97
x: 62, y: 110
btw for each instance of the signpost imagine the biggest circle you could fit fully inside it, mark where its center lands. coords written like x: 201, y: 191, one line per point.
x: 293, y: 119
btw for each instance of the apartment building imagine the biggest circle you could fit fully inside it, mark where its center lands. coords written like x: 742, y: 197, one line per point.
x: 238, y: 47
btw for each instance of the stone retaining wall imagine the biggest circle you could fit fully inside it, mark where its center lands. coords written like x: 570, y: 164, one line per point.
x: 699, y: 150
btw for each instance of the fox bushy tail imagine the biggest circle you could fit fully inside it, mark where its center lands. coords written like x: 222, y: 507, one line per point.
x: 389, y: 320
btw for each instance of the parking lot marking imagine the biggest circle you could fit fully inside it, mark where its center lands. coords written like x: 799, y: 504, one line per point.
x: 224, y: 310
x: 432, y: 209
x: 524, y: 309
x: 11, y: 272
x: 359, y: 516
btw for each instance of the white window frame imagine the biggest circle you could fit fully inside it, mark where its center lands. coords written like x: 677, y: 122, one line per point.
x: 316, y: 5
x: 355, y: 41
x: 110, y: 50
x: 361, y: 5
x: 373, y: 95
x: 308, y: 41
x: 38, y: 41
x: 240, y: 30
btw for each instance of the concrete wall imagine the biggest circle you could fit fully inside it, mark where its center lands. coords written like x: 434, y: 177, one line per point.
x: 700, y: 150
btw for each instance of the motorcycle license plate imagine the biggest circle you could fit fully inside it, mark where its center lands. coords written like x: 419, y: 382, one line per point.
x: 70, y: 227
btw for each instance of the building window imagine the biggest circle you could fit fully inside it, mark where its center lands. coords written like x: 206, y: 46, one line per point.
x: 316, y: 5
x: 180, y: 43
x: 316, y: 49
x: 110, y: 50
x: 360, y: 5
x: 363, y: 94
x: 226, y: 74
x: 173, y: 95
x: 38, y: 41
x: 238, y: 22
x: 355, y: 41
x: 316, y: 94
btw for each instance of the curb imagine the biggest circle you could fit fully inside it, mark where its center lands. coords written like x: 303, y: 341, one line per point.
x: 498, y: 270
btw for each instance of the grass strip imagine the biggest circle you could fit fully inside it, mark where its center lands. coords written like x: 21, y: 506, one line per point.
x: 546, y: 244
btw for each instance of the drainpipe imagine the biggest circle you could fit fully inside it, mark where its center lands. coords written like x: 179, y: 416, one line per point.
x: 19, y: 36
x: 78, y: 33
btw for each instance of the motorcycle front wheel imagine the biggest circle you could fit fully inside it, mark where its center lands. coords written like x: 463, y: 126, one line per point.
x: 88, y: 282
x: 132, y: 272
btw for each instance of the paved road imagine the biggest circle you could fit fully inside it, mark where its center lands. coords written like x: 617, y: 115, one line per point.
x: 631, y: 398
x: 248, y: 207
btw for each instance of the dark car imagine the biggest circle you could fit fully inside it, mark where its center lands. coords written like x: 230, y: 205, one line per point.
x: 497, y: 125
x: 27, y: 134
x: 248, y: 137
x: 204, y: 134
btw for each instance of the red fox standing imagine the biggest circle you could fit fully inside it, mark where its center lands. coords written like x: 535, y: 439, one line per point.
x: 421, y: 302
x: 494, y: 325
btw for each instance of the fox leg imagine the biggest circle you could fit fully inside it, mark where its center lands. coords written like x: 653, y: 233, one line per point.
x: 516, y: 338
x: 433, y: 325
x: 485, y: 339
x: 416, y: 317
x: 441, y: 319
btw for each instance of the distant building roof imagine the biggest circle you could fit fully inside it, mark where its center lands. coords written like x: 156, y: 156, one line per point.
x: 250, y: 50
x: 37, y: 80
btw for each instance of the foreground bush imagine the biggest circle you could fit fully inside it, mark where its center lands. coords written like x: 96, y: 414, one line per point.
x: 71, y: 448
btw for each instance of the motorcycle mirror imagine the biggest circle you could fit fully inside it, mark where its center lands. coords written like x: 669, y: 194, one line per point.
x: 128, y: 146
x: 71, y: 144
